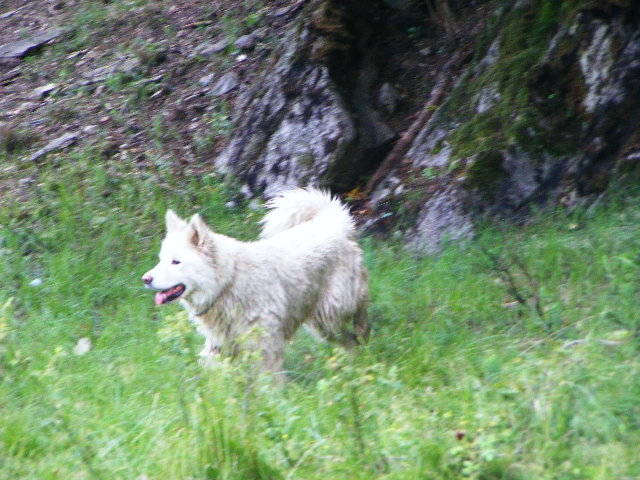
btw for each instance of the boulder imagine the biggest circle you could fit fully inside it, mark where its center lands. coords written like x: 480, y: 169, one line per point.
x: 292, y: 124
x: 225, y: 84
x: 307, y: 118
x: 21, y: 48
x: 59, y: 143
x: 501, y: 143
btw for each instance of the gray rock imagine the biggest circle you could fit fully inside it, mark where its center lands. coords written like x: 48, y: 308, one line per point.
x: 206, y: 80
x: 430, y: 147
x: 25, y: 182
x: 123, y: 65
x: 156, y: 94
x: 246, y: 42
x: 490, y: 58
x: 225, y: 84
x: 22, y: 47
x: 10, y: 75
x: 504, y: 180
x: 82, y: 347
x: 281, y: 11
x: 98, y: 74
x: 44, y: 91
x: 523, y: 180
x: 211, y: 49
x: 488, y: 97
x: 388, y: 97
x: 293, y: 127
x: 9, y: 62
x: 9, y: 14
x: 23, y: 107
x: 522, y: 4
x: 260, y: 33
x: 372, y: 129
x: 255, y: 205
x: 287, y: 11
x: 443, y: 217
x: 284, y: 140
x: 385, y: 189
x: 245, y: 191
x: 90, y: 129
x: 596, y: 62
x: 128, y: 65
x: 58, y: 144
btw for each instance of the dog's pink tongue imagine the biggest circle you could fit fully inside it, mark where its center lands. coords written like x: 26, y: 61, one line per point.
x: 160, y: 298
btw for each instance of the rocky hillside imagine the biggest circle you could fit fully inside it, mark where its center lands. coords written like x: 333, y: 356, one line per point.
x: 427, y: 114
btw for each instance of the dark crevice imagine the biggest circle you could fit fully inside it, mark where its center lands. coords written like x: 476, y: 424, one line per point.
x: 359, y: 43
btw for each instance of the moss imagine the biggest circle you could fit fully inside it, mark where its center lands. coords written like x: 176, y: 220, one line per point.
x: 529, y: 27
x: 484, y: 132
x: 540, y: 103
x: 438, y: 146
x: 486, y: 173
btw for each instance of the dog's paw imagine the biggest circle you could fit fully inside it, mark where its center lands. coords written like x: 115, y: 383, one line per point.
x: 210, y: 356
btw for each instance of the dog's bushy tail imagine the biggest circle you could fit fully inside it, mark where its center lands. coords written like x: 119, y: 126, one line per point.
x: 300, y: 205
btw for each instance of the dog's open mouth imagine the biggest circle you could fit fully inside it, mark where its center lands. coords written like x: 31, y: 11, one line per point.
x: 170, y: 294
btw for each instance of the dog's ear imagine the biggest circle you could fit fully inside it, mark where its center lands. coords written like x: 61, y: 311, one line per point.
x: 198, y: 231
x: 174, y: 222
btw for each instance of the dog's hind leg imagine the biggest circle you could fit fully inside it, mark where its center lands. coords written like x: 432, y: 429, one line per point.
x: 357, y: 333
x: 361, y: 326
x: 348, y: 331
x: 265, y: 347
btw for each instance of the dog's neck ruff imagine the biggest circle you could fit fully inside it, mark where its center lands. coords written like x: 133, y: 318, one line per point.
x: 210, y: 304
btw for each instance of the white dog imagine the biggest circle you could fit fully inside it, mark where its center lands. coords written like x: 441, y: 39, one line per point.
x: 306, y: 268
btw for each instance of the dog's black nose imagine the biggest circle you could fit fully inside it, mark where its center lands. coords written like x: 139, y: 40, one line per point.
x: 147, y: 279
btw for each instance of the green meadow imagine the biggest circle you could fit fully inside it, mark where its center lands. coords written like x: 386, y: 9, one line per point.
x: 513, y: 356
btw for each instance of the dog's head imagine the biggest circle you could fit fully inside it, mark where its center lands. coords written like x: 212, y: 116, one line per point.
x: 186, y: 269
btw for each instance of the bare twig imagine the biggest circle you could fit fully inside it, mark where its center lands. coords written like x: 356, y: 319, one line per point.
x: 201, y: 23
x: 535, y: 286
x: 85, y: 449
x: 529, y: 297
x: 506, y: 276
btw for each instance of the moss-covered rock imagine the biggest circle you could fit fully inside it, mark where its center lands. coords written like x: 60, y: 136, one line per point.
x: 544, y: 112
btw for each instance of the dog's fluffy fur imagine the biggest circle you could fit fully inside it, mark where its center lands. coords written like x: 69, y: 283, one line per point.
x: 306, y: 268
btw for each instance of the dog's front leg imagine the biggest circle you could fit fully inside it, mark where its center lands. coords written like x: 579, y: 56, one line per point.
x: 210, y: 353
x: 272, y: 353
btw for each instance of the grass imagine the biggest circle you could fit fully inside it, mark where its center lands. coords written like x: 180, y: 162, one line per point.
x: 458, y: 381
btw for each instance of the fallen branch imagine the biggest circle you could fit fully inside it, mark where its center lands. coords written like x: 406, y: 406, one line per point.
x: 200, y: 23
x: 402, y: 145
x: 507, y: 276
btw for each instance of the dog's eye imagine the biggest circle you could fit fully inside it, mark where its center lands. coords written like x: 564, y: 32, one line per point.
x: 175, y: 262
